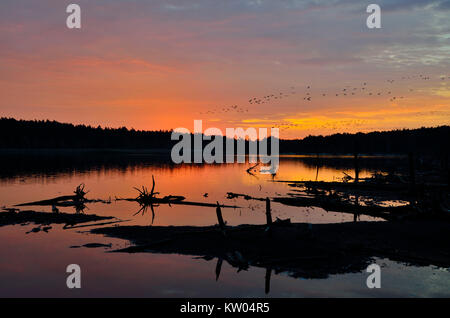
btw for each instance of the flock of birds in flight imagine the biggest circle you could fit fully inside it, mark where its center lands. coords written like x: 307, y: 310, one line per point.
x: 309, y: 96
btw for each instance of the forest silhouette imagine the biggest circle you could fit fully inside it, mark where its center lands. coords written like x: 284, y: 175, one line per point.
x: 46, y: 134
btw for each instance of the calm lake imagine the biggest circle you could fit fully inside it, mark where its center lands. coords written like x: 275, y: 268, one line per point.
x: 34, y: 264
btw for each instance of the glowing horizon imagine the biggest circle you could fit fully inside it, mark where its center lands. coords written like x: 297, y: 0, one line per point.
x: 161, y: 65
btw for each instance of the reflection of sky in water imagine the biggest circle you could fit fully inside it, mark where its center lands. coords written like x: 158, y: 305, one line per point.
x: 190, y: 181
x: 37, y: 268
x: 34, y: 264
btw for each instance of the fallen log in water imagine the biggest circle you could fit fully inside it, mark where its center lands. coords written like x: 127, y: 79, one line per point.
x: 149, y: 198
x: 427, y: 201
x: 64, y: 200
x: 387, y: 213
x: 336, y: 204
x: 232, y: 195
x: 170, y: 202
x: 78, y: 198
x: 332, y: 249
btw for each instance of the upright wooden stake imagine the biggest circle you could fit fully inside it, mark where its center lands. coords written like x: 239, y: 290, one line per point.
x: 317, y: 169
x: 268, y: 213
x: 219, y: 217
x: 356, y: 168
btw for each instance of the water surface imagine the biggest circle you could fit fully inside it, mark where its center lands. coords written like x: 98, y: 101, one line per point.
x: 34, y: 264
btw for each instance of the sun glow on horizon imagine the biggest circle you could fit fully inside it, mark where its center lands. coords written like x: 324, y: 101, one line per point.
x: 304, y: 69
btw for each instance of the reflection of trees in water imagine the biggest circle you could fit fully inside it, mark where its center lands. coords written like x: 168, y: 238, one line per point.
x: 70, y: 163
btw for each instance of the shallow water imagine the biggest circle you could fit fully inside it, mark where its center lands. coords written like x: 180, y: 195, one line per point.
x: 34, y: 264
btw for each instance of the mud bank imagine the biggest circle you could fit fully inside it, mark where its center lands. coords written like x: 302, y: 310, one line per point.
x: 300, y: 249
x: 20, y: 217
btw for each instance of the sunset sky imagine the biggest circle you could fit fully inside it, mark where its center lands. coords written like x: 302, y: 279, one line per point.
x: 162, y: 64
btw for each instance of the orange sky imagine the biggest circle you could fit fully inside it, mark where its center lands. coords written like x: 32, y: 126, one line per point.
x: 162, y: 64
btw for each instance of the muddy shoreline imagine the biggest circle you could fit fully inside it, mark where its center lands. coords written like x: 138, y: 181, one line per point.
x: 46, y: 218
x: 299, y: 249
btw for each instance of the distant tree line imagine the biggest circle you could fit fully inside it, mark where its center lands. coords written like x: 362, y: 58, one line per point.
x: 35, y: 134
x: 38, y: 134
x: 422, y: 140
